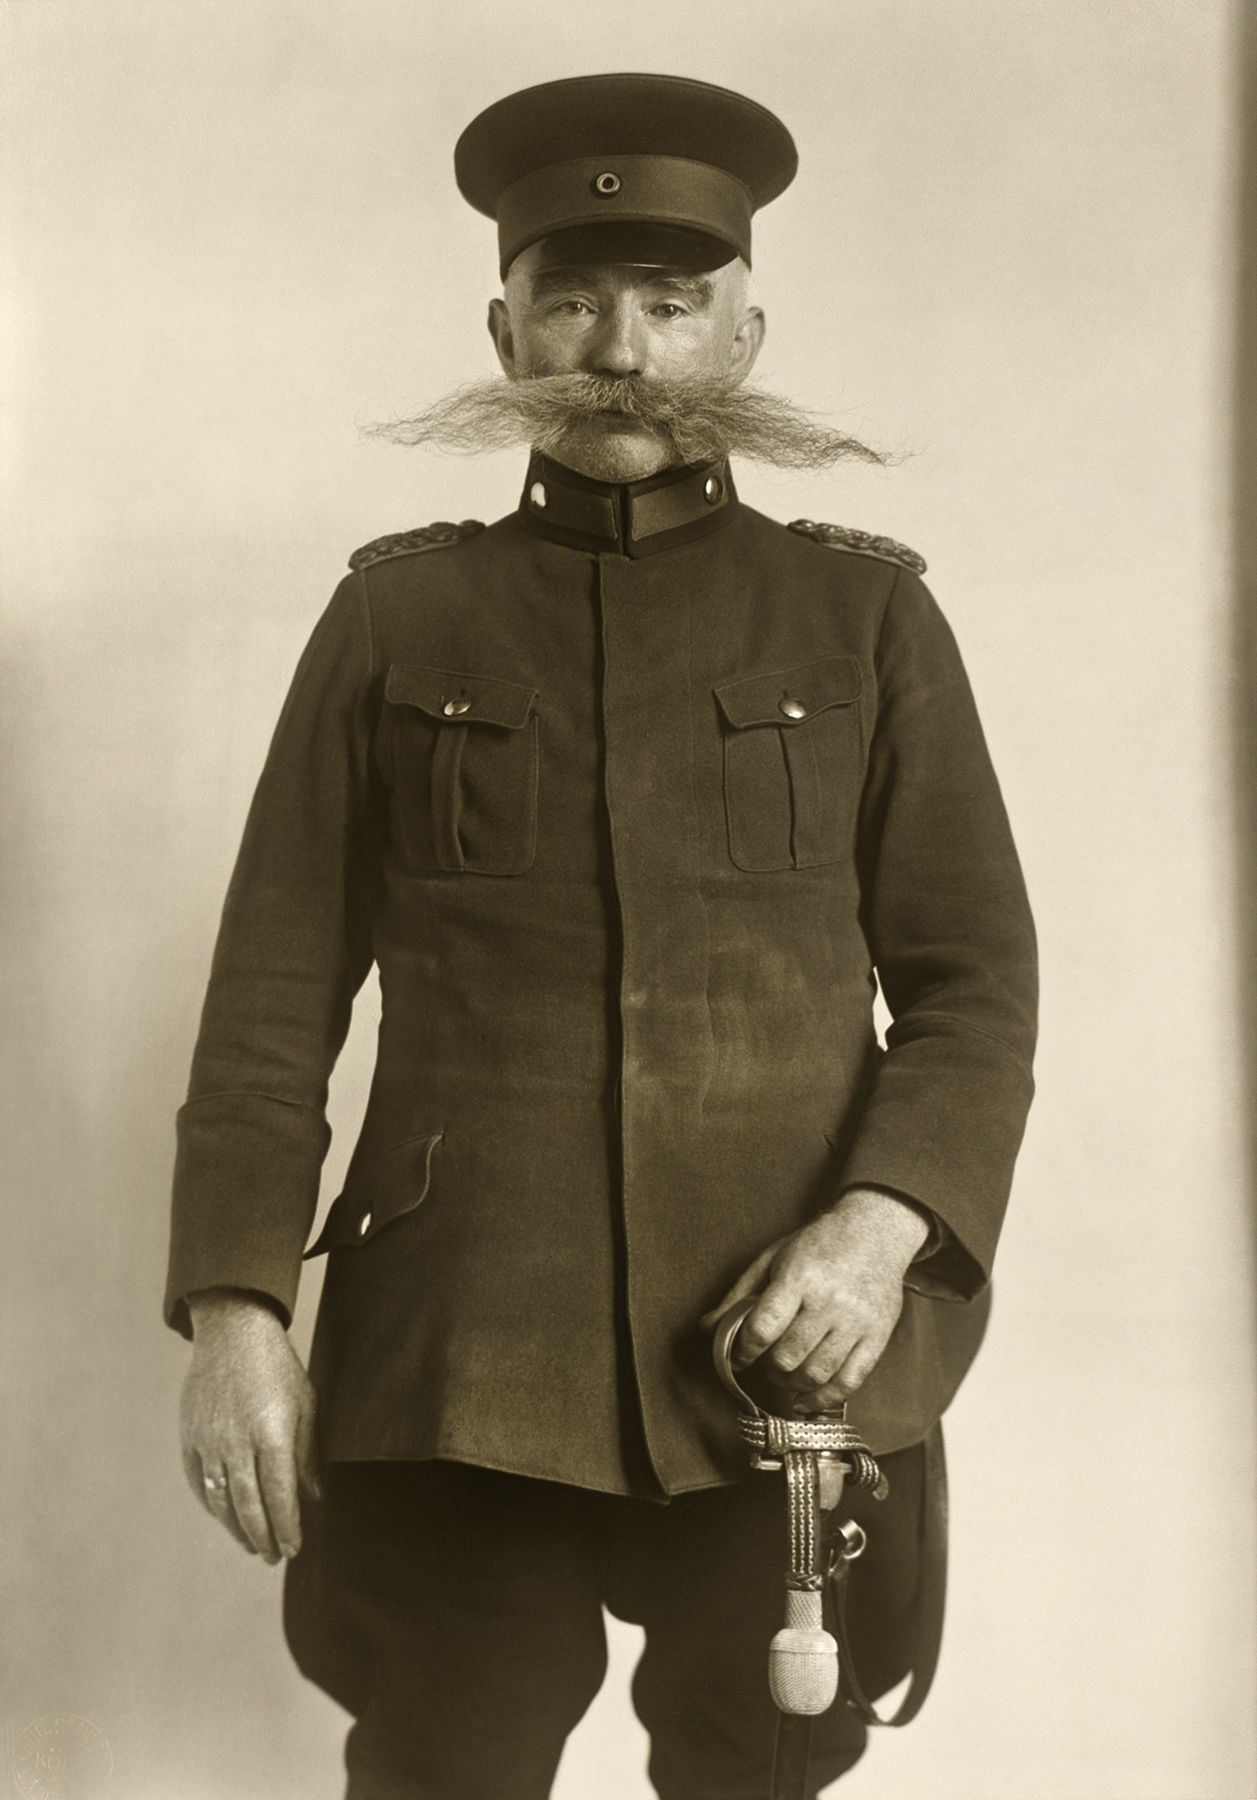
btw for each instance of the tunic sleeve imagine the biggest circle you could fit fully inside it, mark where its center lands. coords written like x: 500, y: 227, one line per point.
x: 950, y: 932
x: 293, y: 948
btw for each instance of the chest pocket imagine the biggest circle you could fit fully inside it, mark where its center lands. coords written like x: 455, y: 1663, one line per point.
x: 793, y: 762
x: 465, y: 763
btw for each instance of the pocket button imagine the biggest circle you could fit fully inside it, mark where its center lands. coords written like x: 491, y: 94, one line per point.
x: 792, y: 708
x: 453, y: 708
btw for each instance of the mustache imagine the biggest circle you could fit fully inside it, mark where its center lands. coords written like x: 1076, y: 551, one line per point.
x: 702, y: 418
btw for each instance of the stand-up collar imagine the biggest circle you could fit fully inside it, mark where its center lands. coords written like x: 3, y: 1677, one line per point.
x: 633, y: 518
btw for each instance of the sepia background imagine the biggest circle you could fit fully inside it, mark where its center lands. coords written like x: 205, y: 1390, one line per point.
x: 231, y: 238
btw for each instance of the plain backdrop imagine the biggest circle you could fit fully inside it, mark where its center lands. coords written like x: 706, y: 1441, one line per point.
x: 231, y: 238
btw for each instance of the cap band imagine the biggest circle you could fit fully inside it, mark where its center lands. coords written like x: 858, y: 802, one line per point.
x: 611, y: 189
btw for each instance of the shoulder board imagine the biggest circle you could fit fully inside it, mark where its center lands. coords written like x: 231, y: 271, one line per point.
x: 412, y: 543
x: 860, y: 543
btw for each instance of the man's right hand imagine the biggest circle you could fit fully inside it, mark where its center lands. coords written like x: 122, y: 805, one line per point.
x: 247, y: 1422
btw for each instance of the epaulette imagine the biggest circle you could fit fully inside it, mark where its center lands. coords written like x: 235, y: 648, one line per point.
x: 411, y: 543
x: 861, y: 543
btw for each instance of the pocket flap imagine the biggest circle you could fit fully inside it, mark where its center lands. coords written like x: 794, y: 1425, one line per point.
x: 790, y: 696
x: 380, y: 1190
x: 456, y: 697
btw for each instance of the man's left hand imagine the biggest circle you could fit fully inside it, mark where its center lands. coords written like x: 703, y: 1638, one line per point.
x: 829, y: 1297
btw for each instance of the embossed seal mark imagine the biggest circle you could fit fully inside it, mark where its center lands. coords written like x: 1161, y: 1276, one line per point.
x: 60, y: 1756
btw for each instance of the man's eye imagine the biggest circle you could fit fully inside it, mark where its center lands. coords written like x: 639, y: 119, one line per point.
x: 574, y: 308
x: 668, y: 309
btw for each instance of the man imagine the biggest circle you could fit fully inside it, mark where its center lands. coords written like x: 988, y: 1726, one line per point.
x: 628, y: 795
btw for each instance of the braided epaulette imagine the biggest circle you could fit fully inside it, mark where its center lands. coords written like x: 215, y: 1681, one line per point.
x: 412, y: 543
x: 860, y: 543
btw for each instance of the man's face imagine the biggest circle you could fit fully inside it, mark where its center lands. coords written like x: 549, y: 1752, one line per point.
x: 625, y: 321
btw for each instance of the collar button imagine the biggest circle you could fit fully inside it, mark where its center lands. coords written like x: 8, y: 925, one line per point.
x: 538, y: 496
x: 713, y: 489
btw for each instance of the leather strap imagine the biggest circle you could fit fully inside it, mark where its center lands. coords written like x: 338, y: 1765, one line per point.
x: 792, y: 1755
x: 930, y: 1605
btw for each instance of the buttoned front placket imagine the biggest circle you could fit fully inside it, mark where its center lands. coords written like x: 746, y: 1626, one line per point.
x: 665, y: 1025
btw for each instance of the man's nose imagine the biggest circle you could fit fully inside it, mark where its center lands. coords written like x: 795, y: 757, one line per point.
x: 619, y: 346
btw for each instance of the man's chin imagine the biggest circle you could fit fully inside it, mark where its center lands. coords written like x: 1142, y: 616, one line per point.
x: 607, y: 451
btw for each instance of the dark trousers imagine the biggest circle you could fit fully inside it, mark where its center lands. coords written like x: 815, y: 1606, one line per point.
x: 457, y: 1613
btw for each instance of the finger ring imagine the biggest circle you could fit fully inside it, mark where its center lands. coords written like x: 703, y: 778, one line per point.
x: 215, y: 1482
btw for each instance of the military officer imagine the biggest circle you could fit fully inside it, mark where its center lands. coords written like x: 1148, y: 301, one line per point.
x: 631, y: 796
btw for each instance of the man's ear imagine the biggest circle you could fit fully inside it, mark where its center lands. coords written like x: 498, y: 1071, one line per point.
x: 747, y: 341
x: 499, y: 322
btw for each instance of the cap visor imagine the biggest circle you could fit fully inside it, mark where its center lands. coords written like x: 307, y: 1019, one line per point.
x: 642, y: 245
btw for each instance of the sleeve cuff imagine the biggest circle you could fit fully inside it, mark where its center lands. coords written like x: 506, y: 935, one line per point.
x: 179, y: 1309
x: 245, y: 1192
x: 942, y: 1269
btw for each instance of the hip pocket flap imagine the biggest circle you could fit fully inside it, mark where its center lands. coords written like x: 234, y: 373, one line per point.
x: 790, y: 696
x: 383, y: 1188
x: 458, y: 697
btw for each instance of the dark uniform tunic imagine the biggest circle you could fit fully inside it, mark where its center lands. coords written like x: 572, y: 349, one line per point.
x: 628, y: 795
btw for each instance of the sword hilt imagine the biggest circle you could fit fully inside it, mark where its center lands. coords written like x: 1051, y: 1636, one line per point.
x: 819, y: 1453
